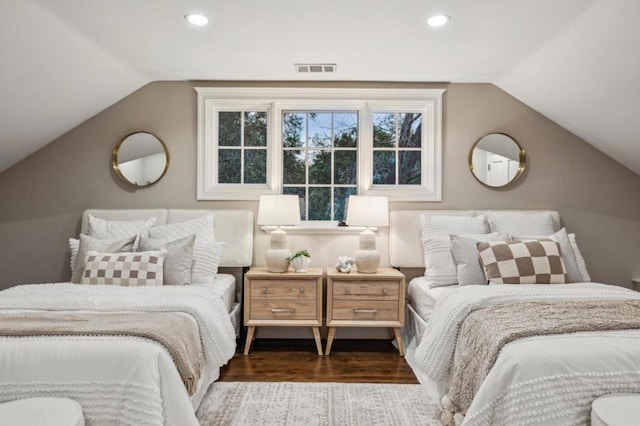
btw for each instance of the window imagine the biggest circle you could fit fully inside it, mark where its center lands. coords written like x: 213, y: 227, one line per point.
x: 322, y: 144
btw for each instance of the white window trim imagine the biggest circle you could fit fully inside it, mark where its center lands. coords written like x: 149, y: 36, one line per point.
x: 277, y: 100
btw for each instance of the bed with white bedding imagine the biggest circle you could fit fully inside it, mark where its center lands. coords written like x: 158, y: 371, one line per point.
x: 546, y: 379
x: 127, y: 379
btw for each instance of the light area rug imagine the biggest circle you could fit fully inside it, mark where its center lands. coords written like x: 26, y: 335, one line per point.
x: 286, y: 403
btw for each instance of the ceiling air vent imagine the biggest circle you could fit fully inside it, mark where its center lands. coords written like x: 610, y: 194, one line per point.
x: 315, y: 68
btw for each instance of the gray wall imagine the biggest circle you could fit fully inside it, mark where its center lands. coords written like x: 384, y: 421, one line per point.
x: 43, y: 196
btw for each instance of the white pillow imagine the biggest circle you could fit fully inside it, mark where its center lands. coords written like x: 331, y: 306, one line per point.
x: 117, y: 229
x: 467, y: 259
x: 440, y: 266
x: 582, y: 265
x: 202, y: 227
x: 521, y: 223
x: 206, y: 258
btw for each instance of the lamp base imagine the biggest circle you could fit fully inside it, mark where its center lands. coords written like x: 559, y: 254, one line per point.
x: 367, y: 261
x: 277, y: 256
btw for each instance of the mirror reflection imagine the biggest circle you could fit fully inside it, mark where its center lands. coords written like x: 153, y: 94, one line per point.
x: 497, y: 160
x: 140, y: 159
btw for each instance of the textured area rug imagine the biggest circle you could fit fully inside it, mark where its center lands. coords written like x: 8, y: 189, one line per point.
x: 286, y: 403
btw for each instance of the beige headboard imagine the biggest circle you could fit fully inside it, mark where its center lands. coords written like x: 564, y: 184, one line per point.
x: 405, y: 243
x: 234, y: 227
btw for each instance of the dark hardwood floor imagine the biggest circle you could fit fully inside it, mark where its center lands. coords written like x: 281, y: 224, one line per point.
x: 351, y: 361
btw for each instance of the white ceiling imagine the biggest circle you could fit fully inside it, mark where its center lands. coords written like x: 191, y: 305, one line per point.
x: 575, y: 61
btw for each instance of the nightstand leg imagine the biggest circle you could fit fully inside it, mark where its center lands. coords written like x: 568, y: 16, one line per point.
x: 332, y: 334
x: 250, y: 333
x: 316, y: 335
x: 397, y: 331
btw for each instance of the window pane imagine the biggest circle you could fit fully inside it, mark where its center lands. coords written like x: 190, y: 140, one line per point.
x: 319, y: 166
x: 229, y: 125
x: 345, y: 169
x: 340, y: 197
x: 410, y: 125
x: 293, y: 167
x: 255, y: 166
x: 229, y: 166
x: 320, y: 203
x: 410, y: 167
x: 384, y: 129
x: 255, y: 129
x: 384, y: 167
x: 300, y: 192
x: 294, y: 130
x: 345, y: 129
x: 319, y: 129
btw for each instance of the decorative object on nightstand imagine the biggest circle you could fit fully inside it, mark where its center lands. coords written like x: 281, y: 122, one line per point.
x: 278, y: 210
x: 287, y: 299
x: 345, y: 264
x: 636, y: 284
x: 300, y: 261
x: 365, y: 300
x: 370, y: 212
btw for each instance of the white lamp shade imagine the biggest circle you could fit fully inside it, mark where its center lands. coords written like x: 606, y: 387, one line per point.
x: 364, y: 210
x: 279, y: 210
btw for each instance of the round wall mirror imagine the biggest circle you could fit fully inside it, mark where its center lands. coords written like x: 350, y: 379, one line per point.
x: 140, y: 159
x: 496, y: 160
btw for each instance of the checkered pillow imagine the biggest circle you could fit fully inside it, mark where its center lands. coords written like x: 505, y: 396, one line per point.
x: 523, y: 262
x: 143, y: 268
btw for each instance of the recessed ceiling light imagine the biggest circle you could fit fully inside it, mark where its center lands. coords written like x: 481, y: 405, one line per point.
x: 196, y: 19
x: 438, y: 20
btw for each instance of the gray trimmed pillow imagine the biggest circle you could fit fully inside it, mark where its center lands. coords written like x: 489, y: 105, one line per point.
x: 465, y: 253
x: 113, y: 229
x: 87, y: 243
x: 129, y: 269
x: 177, y: 261
x: 523, y: 262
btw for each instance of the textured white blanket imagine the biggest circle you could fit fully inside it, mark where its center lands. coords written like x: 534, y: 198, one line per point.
x: 107, y: 374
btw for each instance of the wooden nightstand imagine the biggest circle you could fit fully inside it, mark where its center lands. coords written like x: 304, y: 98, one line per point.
x: 365, y: 300
x: 283, y: 299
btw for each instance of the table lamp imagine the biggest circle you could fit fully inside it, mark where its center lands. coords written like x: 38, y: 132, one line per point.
x: 367, y: 211
x: 278, y: 210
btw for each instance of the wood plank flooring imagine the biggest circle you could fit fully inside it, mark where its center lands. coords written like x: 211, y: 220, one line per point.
x: 292, y: 360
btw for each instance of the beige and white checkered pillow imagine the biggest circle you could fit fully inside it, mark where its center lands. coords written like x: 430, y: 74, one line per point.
x: 523, y: 262
x: 142, y: 268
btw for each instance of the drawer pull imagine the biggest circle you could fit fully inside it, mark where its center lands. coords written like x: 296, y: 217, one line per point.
x: 283, y: 310
x: 301, y: 289
x: 365, y: 311
x: 385, y: 291
x: 264, y: 290
x: 347, y: 291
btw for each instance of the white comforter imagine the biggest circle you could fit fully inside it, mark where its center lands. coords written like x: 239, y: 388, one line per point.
x: 117, y: 380
x: 538, y: 380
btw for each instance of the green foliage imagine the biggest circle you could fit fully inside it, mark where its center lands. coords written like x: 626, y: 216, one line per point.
x: 299, y: 253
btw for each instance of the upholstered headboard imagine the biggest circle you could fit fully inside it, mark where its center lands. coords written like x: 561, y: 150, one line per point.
x: 405, y: 243
x: 234, y: 227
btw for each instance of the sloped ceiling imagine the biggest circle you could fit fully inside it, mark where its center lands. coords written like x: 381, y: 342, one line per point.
x: 575, y: 61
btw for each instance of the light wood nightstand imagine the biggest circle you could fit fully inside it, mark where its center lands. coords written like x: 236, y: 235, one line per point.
x: 365, y: 300
x: 283, y: 300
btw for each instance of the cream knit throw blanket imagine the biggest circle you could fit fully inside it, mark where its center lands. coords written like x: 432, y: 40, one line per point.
x: 485, y: 331
x: 177, y: 332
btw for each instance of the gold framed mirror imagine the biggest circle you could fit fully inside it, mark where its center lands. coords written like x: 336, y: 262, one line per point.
x: 140, y: 159
x: 496, y: 160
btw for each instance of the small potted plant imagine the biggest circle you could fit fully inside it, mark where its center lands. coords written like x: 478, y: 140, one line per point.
x: 300, y: 261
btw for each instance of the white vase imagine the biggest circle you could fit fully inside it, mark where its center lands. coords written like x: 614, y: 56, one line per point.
x: 300, y: 263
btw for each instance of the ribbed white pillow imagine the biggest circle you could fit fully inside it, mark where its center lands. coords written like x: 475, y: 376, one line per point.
x: 118, y: 229
x: 206, y: 258
x: 202, y: 227
x: 521, y: 223
x: 438, y: 258
x: 582, y: 265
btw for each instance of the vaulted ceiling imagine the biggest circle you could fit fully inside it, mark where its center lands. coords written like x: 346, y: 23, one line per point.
x: 575, y: 61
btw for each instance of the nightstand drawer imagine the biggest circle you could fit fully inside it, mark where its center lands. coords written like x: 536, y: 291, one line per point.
x: 365, y: 310
x: 370, y: 290
x: 268, y: 309
x: 289, y: 289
